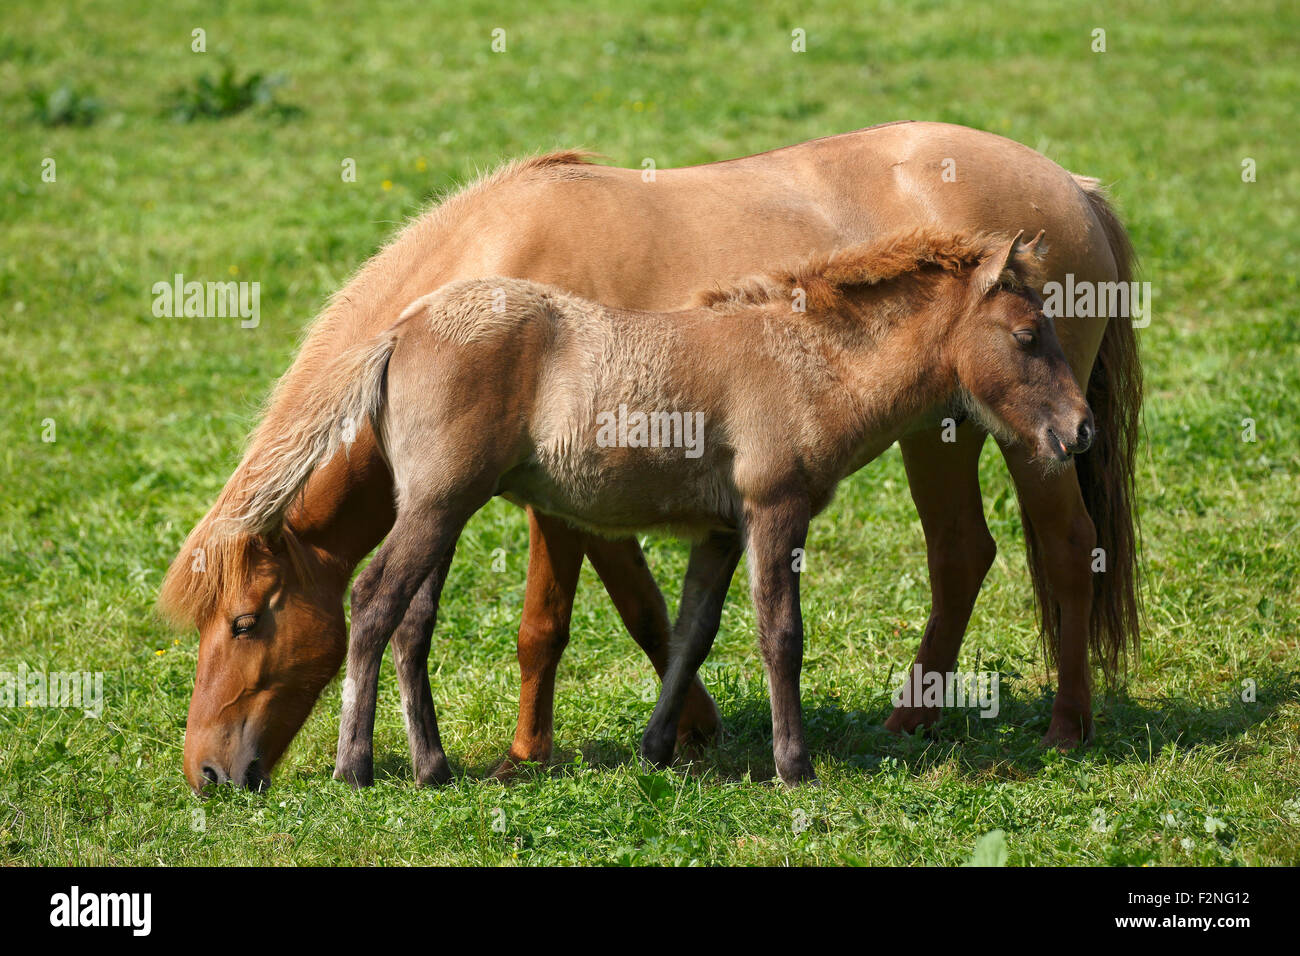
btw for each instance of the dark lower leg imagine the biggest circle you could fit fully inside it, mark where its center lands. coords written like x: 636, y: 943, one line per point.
x: 622, y: 569
x: 411, y: 644
x: 380, y: 599
x: 708, y: 576
x: 773, y: 533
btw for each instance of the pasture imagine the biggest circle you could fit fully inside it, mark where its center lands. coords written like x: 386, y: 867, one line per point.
x: 120, y: 426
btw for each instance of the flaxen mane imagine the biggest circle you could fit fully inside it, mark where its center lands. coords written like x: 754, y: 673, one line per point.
x: 825, y: 279
x: 218, y: 555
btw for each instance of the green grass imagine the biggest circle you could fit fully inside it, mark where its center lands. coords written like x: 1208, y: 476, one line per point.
x: 149, y: 415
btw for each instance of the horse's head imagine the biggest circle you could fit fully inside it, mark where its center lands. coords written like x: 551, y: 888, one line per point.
x: 271, y: 635
x: 1014, y: 377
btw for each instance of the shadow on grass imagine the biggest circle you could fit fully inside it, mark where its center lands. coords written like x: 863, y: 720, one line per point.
x: 1128, y: 729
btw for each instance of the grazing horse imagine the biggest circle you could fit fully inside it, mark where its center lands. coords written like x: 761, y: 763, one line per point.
x: 269, y: 609
x: 505, y: 387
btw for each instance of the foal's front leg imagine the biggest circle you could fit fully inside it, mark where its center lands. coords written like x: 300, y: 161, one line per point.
x: 415, y: 550
x: 708, y: 575
x: 773, y: 533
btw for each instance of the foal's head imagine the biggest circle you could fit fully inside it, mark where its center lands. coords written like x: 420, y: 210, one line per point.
x: 1014, y: 378
x: 271, y: 635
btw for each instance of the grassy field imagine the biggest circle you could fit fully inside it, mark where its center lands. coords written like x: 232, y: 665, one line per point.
x: 148, y: 416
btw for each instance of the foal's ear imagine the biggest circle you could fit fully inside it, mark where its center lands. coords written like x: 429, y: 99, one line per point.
x: 991, y: 267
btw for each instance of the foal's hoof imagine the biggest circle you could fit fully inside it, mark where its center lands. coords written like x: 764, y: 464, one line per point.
x: 434, y: 775
x: 356, y: 777
x: 800, y: 776
x: 906, y: 720
x: 657, y: 750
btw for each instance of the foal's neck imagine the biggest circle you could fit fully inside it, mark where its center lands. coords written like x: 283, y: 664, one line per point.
x: 893, y: 338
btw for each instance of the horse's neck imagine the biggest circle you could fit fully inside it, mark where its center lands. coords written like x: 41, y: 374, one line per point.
x: 346, y: 508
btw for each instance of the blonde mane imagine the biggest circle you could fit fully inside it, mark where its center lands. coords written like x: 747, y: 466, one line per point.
x: 219, y: 554
x: 826, y: 279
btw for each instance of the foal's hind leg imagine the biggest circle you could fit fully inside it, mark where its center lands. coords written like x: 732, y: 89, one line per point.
x: 708, y: 575
x: 1066, y: 536
x: 555, y: 551
x: 411, y: 644
x: 419, y: 546
x: 627, y: 579
x: 944, y: 480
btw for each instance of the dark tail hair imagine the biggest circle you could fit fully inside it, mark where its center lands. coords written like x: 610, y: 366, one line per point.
x: 1106, y: 477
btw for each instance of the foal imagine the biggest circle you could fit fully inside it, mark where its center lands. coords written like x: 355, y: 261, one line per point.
x: 729, y: 424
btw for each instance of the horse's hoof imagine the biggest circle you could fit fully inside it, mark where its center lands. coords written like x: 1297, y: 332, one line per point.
x: 512, y: 768
x: 700, y: 723
x: 1066, y: 735
x: 906, y: 720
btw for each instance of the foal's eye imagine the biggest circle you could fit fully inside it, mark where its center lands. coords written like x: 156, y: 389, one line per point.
x: 243, y: 625
x: 1025, y: 336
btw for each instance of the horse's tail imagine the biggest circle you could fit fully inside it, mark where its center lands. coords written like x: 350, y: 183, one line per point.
x: 346, y: 396
x: 1106, y: 475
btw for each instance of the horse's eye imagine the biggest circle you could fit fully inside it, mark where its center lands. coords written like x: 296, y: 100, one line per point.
x: 1025, y: 337
x: 243, y: 625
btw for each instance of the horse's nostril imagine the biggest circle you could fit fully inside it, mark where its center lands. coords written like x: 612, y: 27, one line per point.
x: 1085, y: 434
x: 210, y: 773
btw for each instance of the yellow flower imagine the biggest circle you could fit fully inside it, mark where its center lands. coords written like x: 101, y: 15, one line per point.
x: 387, y: 184
x: 160, y: 653
x: 234, y: 270
x: 421, y: 165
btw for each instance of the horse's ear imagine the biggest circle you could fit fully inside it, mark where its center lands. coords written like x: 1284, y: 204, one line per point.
x: 991, y: 267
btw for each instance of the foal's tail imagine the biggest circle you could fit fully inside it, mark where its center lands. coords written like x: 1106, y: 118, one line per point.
x: 348, y: 393
x: 1106, y: 475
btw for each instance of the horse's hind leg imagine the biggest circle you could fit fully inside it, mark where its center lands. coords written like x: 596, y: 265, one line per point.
x: 411, y: 644
x: 555, y: 552
x: 554, y: 561
x: 629, y: 583
x: 944, y: 480
x: 708, y: 576
x: 420, y: 545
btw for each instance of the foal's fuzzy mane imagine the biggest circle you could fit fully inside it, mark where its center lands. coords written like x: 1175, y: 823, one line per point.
x: 239, y: 527
x: 826, y: 279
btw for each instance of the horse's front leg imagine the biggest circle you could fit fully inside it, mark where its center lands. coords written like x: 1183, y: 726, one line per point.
x: 415, y: 549
x: 1064, y: 536
x: 774, y: 532
x: 411, y: 644
x: 708, y: 575
x: 945, y: 485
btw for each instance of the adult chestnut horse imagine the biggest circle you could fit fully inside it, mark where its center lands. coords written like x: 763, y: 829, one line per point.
x: 270, y: 608
x: 498, y: 387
